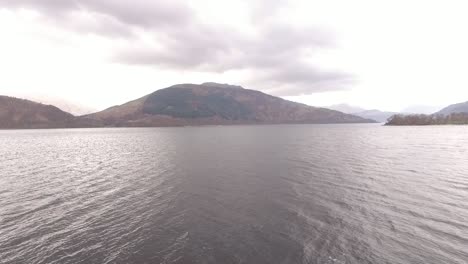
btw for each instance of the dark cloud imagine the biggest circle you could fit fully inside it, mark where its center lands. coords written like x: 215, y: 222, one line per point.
x: 274, y: 54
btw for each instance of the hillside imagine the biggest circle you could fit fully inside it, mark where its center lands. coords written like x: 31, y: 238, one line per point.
x: 19, y: 113
x: 215, y: 104
x: 455, y: 108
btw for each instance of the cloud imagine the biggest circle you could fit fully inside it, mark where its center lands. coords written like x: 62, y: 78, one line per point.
x: 301, y: 79
x: 144, y: 13
x: 170, y: 35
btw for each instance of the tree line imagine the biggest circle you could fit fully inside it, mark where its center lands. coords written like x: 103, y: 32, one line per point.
x: 426, y: 120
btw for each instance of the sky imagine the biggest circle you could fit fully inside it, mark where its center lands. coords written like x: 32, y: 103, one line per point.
x: 375, y: 54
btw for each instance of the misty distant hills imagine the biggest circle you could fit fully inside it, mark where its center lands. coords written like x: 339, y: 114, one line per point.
x: 377, y: 115
x: 216, y: 104
x: 374, y: 114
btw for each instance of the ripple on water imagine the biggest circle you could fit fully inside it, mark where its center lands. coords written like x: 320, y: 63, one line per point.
x: 237, y: 194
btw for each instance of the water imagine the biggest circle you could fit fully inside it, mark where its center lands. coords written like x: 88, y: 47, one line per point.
x: 237, y: 194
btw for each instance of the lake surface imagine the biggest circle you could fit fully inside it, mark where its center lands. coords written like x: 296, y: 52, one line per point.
x: 235, y: 194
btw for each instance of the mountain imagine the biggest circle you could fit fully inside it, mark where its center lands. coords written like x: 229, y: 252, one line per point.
x: 377, y: 115
x: 346, y: 108
x: 20, y: 113
x: 178, y: 105
x: 215, y: 104
x: 455, y: 108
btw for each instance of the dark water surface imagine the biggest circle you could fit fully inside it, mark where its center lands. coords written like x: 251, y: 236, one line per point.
x: 237, y: 194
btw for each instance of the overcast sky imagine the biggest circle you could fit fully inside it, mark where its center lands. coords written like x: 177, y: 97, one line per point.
x: 373, y: 54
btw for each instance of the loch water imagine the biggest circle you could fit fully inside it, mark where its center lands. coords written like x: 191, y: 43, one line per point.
x: 354, y: 194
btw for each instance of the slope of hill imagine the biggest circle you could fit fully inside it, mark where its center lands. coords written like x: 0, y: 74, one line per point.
x: 19, y: 113
x: 455, y: 108
x: 216, y: 104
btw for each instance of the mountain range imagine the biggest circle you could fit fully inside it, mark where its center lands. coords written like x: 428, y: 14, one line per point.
x: 178, y: 105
